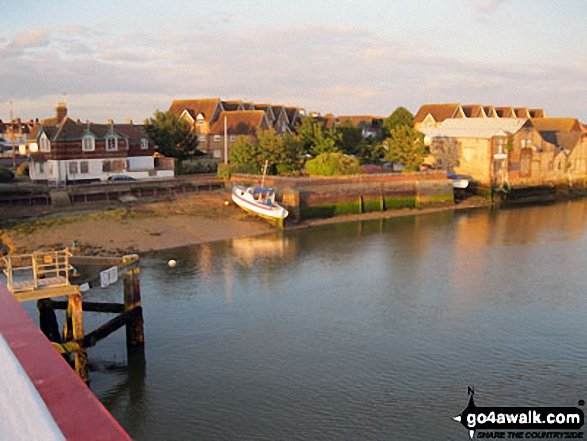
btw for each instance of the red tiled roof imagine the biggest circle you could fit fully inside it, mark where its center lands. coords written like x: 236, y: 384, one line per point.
x: 439, y: 112
x: 205, y: 106
x: 239, y: 122
x: 556, y: 124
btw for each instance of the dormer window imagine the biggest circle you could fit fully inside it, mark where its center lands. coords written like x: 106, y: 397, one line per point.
x: 144, y: 143
x: 88, y: 143
x: 111, y: 144
x: 44, y: 143
x: 200, y: 119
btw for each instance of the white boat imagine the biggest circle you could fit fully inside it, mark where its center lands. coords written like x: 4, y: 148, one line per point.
x: 258, y: 200
x: 458, y: 181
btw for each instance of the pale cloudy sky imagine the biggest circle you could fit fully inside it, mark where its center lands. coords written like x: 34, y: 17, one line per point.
x: 123, y: 59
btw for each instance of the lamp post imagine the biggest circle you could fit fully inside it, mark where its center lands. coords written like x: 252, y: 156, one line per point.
x: 12, y: 135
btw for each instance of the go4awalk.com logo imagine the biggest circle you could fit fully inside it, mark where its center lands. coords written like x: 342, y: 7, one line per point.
x: 522, y: 422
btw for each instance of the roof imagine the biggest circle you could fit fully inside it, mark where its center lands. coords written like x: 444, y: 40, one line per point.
x: 362, y: 121
x: 483, y: 128
x: 504, y: 112
x: 556, y: 124
x: 232, y: 105
x: 439, y: 112
x: 239, y: 122
x: 133, y: 132
x: 473, y: 110
x: 205, y: 106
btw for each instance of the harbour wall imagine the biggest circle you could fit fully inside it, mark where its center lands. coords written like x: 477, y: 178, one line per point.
x: 318, y: 197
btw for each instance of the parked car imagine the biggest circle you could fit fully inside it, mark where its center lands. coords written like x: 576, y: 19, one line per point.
x: 119, y: 178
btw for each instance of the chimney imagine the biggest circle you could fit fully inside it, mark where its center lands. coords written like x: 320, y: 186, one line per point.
x: 61, y: 111
x: 129, y: 121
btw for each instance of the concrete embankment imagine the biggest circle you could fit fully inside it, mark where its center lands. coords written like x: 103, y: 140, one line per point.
x: 319, y: 197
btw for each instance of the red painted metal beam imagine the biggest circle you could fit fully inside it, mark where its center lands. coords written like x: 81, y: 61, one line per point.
x: 77, y: 412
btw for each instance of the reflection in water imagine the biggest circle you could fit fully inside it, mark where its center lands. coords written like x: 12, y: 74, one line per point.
x: 364, y: 330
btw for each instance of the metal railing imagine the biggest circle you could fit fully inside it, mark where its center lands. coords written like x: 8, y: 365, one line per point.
x: 28, y: 272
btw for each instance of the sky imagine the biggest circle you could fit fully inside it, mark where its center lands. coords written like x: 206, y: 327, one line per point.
x: 125, y: 59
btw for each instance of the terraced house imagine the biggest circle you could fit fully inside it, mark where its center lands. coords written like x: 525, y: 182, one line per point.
x: 65, y: 151
x: 211, y: 118
x: 520, y: 147
x: 208, y: 117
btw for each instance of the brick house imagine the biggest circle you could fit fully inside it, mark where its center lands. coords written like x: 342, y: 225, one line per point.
x: 514, y: 151
x: 230, y: 125
x: 66, y: 151
x: 204, y: 116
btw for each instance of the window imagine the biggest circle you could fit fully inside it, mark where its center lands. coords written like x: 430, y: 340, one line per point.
x: 217, y: 154
x: 41, y: 167
x: 84, y: 167
x: 201, y: 138
x: 111, y: 144
x: 105, y: 166
x: 233, y: 138
x: 217, y: 138
x: 144, y: 143
x: 200, y: 119
x: 45, y: 143
x: 73, y: 168
x: 88, y: 143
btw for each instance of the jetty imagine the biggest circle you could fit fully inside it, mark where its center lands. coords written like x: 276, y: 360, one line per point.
x: 45, y: 276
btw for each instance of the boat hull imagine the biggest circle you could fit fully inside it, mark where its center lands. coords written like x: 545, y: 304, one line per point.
x: 244, y: 199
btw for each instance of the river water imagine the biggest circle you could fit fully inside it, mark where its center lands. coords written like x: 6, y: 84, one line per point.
x: 358, y: 331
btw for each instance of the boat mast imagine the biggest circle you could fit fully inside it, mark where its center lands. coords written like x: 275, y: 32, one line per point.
x: 264, y: 173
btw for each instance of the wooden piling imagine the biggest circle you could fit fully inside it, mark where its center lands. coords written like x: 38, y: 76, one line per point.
x: 80, y: 356
x: 135, y: 335
x: 48, y: 320
x: 67, y: 324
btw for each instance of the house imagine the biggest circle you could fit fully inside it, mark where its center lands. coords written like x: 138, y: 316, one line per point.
x: 201, y: 114
x: 370, y: 125
x: 229, y: 126
x: 65, y: 151
x: 204, y: 114
x: 431, y: 115
x: 514, y: 151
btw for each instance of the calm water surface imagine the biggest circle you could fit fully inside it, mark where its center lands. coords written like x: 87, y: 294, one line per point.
x: 357, y: 331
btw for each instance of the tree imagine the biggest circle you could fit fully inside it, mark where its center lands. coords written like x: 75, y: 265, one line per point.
x: 314, y: 138
x: 173, y: 136
x: 332, y: 164
x: 406, y: 147
x: 348, y: 138
x: 245, y: 157
x: 282, y: 153
x: 400, y: 117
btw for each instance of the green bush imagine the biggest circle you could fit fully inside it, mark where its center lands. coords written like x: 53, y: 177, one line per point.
x: 6, y: 175
x: 332, y: 164
x: 247, y: 169
x: 195, y: 166
x: 223, y: 171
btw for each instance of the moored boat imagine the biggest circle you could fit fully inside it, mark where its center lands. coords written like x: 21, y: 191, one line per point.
x: 258, y: 200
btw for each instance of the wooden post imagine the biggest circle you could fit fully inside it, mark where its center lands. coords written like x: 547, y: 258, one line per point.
x: 135, y: 335
x: 48, y: 320
x: 67, y: 323
x: 81, y: 356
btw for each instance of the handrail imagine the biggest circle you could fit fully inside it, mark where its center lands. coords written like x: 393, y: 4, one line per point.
x: 52, y: 265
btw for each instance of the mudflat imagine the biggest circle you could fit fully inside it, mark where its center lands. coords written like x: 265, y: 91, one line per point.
x: 187, y: 220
